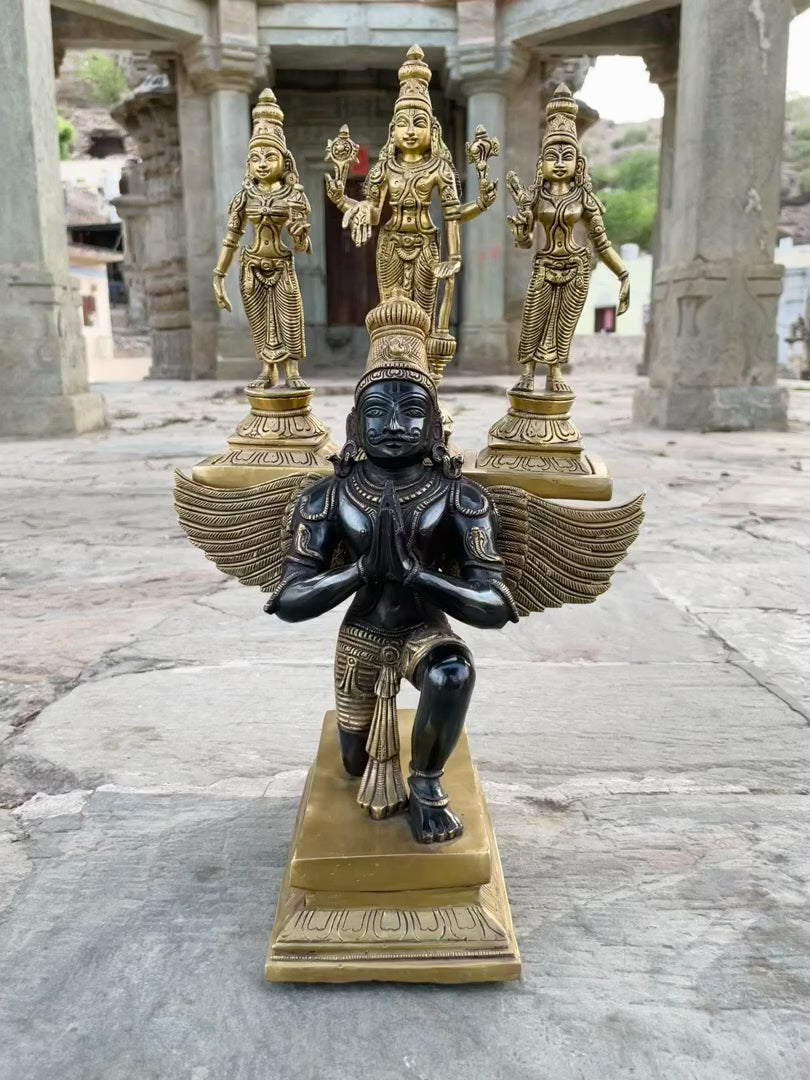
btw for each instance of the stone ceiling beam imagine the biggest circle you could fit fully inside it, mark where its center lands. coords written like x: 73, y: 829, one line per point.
x: 175, y: 20
x: 83, y: 32
x: 632, y: 37
x: 541, y: 22
x: 363, y: 25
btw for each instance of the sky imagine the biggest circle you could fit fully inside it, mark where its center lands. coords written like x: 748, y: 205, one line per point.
x: 619, y: 87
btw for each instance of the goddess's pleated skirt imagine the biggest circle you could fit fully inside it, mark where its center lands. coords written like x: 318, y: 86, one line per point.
x: 553, y: 305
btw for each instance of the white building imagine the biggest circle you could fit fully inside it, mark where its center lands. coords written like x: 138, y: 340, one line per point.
x: 794, y: 301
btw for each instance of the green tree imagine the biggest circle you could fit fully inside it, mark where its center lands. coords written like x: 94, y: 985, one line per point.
x: 629, y: 190
x: 636, y: 170
x: 103, y: 78
x: 632, y: 137
x: 67, y: 134
x: 797, y: 108
x: 629, y: 216
x: 801, y: 152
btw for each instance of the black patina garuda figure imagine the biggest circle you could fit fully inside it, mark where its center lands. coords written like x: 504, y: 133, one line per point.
x: 412, y: 541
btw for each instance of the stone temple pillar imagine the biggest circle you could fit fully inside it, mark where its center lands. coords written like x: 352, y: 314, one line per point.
x: 713, y: 361
x: 150, y: 116
x: 228, y: 74
x: 663, y: 68
x: 486, y: 77
x: 193, y: 114
x: 131, y: 206
x: 43, y: 371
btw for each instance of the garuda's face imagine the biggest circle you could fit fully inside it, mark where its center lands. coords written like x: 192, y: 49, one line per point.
x: 397, y: 421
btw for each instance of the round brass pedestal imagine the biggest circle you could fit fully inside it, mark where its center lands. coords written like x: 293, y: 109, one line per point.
x: 279, y: 435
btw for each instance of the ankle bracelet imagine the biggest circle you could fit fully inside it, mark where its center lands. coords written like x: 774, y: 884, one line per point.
x: 436, y: 775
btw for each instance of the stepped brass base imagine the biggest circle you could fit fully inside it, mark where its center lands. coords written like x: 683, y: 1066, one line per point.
x: 361, y: 901
x: 536, y: 446
x: 280, y: 435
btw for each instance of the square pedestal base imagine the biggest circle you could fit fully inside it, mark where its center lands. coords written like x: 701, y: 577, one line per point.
x: 551, y: 476
x: 361, y: 901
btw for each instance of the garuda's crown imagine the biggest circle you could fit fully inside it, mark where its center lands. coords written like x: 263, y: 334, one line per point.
x: 397, y: 330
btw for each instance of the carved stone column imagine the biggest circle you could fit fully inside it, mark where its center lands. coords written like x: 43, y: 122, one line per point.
x: 663, y: 68
x: 215, y: 119
x: 150, y: 116
x: 43, y: 372
x: 485, y: 76
x: 131, y: 206
x: 713, y: 356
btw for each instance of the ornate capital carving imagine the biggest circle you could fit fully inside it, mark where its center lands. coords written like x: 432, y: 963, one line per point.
x: 480, y: 68
x: 662, y: 64
x: 227, y: 65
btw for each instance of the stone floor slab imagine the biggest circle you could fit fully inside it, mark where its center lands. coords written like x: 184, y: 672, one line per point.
x: 644, y: 760
x: 647, y: 945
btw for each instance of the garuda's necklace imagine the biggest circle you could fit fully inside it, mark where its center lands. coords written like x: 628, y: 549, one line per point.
x: 367, y: 493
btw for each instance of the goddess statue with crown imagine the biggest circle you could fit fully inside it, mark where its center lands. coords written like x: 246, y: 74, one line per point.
x: 413, y: 162
x: 271, y: 197
x: 560, y: 198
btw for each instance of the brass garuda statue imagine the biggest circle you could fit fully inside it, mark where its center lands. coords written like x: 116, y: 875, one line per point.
x: 560, y: 198
x: 413, y: 163
x: 271, y: 197
x: 400, y: 531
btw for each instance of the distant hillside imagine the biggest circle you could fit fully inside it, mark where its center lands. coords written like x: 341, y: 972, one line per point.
x: 607, y: 145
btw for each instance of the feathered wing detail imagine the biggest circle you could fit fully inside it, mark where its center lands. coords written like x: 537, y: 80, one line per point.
x: 246, y: 532
x: 557, y: 555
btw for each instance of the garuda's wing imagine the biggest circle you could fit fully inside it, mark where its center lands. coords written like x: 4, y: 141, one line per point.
x: 557, y: 555
x: 245, y: 532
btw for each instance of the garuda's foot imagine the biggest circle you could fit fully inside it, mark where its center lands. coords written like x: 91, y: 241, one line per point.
x: 432, y: 820
x: 353, y: 751
x: 297, y: 383
x: 526, y: 382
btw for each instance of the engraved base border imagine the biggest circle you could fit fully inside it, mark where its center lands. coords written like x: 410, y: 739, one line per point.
x: 548, y: 475
x: 537, y: 447
x: 279, y: 436
x: 451, y: 935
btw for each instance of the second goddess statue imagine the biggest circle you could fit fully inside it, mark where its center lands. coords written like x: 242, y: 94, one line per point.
x: 559, y: 199
x: 270, y: 198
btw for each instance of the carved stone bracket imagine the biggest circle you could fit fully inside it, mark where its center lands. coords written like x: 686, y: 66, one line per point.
x: 662, y: 64
x: 662, y: 59
x: 482, y: 68
x: 227, y: 65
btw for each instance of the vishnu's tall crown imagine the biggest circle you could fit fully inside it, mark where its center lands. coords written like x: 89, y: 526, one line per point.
x: 561, y: 117
x: 414, y: 78
x: 268, y: 121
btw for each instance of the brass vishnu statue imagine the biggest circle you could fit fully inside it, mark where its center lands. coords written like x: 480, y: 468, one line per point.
x: 413, y: 163
x: 560, y: 198
x: 270, y: 199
